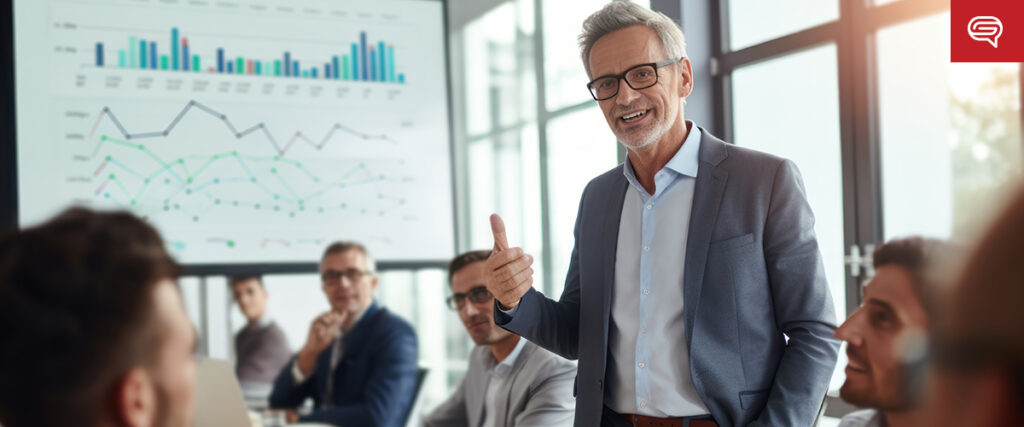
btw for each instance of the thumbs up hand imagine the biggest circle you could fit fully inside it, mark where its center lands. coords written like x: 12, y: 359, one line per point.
x: 508, y: 274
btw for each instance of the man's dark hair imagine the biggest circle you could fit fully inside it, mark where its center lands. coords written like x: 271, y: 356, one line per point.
x: 234, y: 280
x: 347, y: 245
x: 917, y: 255
x: 466, y: 259
x: 76, y: 310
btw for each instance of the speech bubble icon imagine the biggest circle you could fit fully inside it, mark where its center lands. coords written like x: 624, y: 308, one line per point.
x: 986, y: 29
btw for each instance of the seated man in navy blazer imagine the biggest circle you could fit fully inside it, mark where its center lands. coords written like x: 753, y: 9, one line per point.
x: 359, y: 360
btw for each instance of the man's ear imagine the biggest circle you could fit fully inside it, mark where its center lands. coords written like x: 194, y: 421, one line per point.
x: 135, y: 399
x: 685, y: 74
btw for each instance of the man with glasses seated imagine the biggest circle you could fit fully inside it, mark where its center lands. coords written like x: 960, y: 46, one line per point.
x: 696, y: 293
x: 359, y: 363
x: 510, y: 381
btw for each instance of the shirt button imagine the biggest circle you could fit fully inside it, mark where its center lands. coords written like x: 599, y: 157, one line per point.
x: 647, y: 248
x: 641, y: 365
x: 649, y: 207
x: 647, y: 291
x: 643, y: 330
x: 643, y: 403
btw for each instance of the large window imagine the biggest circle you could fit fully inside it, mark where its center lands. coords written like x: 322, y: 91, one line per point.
x: 756, y: 21
x: 950, y: 133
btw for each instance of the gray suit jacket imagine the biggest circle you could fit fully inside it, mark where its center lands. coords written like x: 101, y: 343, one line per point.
x: 538, y: 393
x: 753, y: 273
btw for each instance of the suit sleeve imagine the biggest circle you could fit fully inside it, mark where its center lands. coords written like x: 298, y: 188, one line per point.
x: 389, y: 393
x: 451, y: 413
x: 551, y: 402
x: 553, y: 325
x: 802, y: 302
x: 287, y: 393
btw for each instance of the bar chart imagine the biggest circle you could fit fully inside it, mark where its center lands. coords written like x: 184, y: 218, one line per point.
x: 365, y: 61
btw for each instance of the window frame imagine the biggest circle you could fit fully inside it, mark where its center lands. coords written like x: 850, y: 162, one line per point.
x: 860, y: 143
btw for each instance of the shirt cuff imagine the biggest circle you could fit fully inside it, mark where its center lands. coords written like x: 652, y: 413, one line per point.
x: 510, y: 312
x: 297, y: 373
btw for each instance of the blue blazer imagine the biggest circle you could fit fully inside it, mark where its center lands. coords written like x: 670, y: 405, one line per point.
x: 753, y: 273
x: 374, y: 383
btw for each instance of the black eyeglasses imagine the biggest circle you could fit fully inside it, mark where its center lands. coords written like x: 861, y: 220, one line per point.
x: 333, y: 277
x: 477, y: 295
x: 638, y: 77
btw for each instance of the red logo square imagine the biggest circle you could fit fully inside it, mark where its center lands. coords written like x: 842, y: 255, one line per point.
x: 987, y: 31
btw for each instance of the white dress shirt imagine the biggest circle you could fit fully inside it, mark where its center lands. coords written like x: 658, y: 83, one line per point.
x: 649, y: 366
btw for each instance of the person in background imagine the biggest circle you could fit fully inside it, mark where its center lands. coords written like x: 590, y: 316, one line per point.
x: 94, y: 329
x: 978, y: 344
x: 510, y: 381
x: 359, y: 362
x: 887, y: 336
x: 261, y: 347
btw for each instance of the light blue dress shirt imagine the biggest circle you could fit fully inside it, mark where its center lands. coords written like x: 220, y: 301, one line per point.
x: 649, y: 367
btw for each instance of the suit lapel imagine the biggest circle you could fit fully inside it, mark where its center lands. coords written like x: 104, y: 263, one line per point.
x: 504, y: 397
x: 707, y: 197
x: 475, y: 394
x: 612, y: 211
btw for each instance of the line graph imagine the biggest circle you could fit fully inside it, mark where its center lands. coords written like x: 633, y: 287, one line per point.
x: 106, y: 112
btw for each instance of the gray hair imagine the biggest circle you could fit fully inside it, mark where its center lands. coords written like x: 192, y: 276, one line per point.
x: 348, y: 245
x: 618, y: 15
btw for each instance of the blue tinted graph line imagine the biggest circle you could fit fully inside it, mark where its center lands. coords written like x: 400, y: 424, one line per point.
x: 126, y: 168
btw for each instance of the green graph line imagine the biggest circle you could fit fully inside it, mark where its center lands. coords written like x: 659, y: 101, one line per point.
x: 210, y: 160
x: 286, y: 186
x: 354, y: 170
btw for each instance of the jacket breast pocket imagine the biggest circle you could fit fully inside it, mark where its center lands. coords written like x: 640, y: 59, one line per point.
x: 731, y: 243
x: 753, y: 399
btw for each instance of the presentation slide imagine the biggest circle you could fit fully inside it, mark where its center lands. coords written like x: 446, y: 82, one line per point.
x: 246, y: 131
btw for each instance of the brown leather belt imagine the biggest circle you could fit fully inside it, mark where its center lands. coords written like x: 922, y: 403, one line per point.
x: 637, y: 420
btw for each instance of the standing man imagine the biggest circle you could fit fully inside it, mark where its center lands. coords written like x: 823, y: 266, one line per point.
x: 511, y: 382
x: 359, y: 362
x: 887, y: 336
x: 260, y: 346
x: 94, y: 329
x: 694, y: 260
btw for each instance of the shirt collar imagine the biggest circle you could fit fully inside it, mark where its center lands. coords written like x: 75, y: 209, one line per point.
x: 684, y: 162
x: 504, y: 368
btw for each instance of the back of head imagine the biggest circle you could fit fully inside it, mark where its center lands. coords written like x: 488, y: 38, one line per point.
x: 983, y: 326
x: 75, y: 303
x: 619, y: 15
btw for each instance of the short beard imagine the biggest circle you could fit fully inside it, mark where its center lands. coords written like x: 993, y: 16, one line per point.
x: 903, y: 399
x: 653, y: 136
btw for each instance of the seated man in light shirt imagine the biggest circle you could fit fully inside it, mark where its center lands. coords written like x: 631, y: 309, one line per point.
x: 887, y: 336
x: 510, y: 381
x: 359, y: 362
